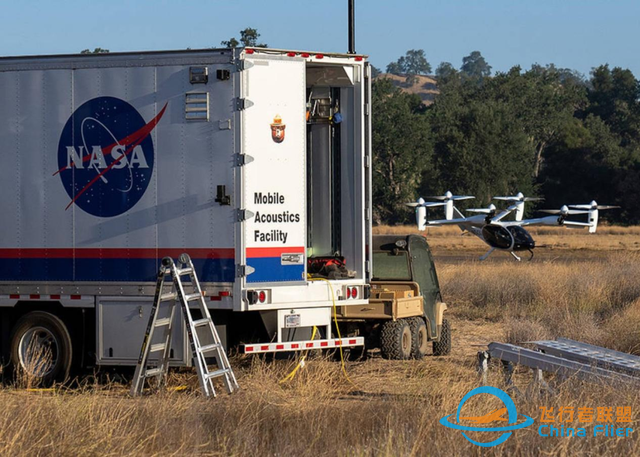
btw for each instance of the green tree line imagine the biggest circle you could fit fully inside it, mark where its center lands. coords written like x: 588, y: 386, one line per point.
x: 546, y: 131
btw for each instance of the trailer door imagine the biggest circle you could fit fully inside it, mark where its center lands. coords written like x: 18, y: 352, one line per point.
x: 274, y: 182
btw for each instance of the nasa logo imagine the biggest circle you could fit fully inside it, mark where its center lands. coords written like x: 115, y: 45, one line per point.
x: 106, y: 156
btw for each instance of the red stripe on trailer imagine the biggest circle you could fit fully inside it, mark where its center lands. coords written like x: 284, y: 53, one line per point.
x: 295, y: 346
x: 54, y: 297
x: 352, y: 341
x: 264, y: 348
x: 324, y: 344
x: 274, y: 252
x: 249, y: 349
x: 14, y: 296
x: 338, y: 343
x: 279, y: 346
x: 216, y: 298
x: 34, y: 296
x: 309, y: 345
x: 75, y: 297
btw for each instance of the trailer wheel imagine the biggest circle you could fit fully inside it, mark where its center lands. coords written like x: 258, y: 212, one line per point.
x: 41, y: 348
x: 395, y: 340
x: 443, y: 346
x: 419, y: 338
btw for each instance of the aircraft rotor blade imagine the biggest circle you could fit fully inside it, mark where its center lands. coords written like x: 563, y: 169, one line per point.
x: 425, y: 204
x: 462, y: 197
x: 453, y: 197
x: 592, y: 207
x: 515, y: 198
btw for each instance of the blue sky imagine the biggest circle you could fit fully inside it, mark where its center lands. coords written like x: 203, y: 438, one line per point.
x: 577, y: 34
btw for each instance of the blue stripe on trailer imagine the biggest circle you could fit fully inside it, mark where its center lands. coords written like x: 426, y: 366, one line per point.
x: 124, y: 270
x: 270, y: 269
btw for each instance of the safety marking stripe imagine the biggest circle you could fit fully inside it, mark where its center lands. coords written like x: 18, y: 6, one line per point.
x: 42, y: 297
x: 302, y: 345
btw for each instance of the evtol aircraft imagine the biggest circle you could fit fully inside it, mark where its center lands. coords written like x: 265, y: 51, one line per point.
x: 490, y: 226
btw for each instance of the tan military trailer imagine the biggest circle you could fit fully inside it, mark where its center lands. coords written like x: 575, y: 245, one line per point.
x: 405, y: 311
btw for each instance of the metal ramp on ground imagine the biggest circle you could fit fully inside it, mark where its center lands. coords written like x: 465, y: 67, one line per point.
x: 565, y: 358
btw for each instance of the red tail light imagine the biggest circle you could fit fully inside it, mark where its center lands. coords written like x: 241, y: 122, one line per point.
x: 291, y: 54
x: 358, y: 59
x: 319, y: 56
x: 249, y: 51
x: 354, y: 292
x: 348, y: 292
x: 262, y: 296
x: 304, y: 54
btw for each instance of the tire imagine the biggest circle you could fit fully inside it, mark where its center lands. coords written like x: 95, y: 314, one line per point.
x: 419, y: 338
x: 395, y: 340
x: 40, y: 331
x: 443, y: 346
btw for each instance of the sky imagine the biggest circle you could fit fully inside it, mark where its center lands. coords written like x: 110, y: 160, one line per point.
x: 575, y: 34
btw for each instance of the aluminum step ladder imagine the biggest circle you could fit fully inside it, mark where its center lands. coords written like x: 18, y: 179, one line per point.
x: 205, y: 324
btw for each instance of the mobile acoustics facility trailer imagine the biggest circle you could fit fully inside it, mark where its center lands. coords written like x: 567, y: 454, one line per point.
x: 255, y: 162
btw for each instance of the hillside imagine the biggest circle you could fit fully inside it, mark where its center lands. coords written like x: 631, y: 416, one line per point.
x: 424, y: 86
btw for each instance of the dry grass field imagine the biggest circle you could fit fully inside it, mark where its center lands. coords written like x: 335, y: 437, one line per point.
x: 578, y: 286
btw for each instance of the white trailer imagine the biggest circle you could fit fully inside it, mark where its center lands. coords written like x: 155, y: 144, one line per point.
x: 255, y: 162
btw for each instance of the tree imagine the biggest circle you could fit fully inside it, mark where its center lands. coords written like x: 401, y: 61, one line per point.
x: 411, y: 64
x: 95, y: 51
x: 540, y: 100
x: 414, y: 62
x: 445, y: 71
x: 402, y: 150
x: 614, y: 98
x: 480, y: 146
x: 474, y: 66
x: 248, y: 38
x: 375, y: 71
x: 394, y: 68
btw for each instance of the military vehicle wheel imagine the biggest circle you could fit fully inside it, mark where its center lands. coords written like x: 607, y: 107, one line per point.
x: 443, y: 347
x: 419, y: 338
x: 395, y: 339
x: 41, y: 347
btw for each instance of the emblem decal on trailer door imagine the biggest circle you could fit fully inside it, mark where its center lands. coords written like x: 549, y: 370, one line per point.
x: 106, y: 156
x: 277, y: 129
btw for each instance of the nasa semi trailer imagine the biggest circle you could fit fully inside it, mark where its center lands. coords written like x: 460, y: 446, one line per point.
x: 255, y: 162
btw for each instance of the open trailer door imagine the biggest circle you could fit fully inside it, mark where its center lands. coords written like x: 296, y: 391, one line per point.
x: 274, y: 182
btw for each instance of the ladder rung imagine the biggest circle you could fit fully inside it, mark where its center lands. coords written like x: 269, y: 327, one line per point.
x: 209, y: 347
x: 201, y: 322
x: 162, y: 322
x: 215, y: 374
x: 170, y: 296
x: 154, y: 372
x: 184, y: 271
x: 191, y: 297
x: 157, y: 347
